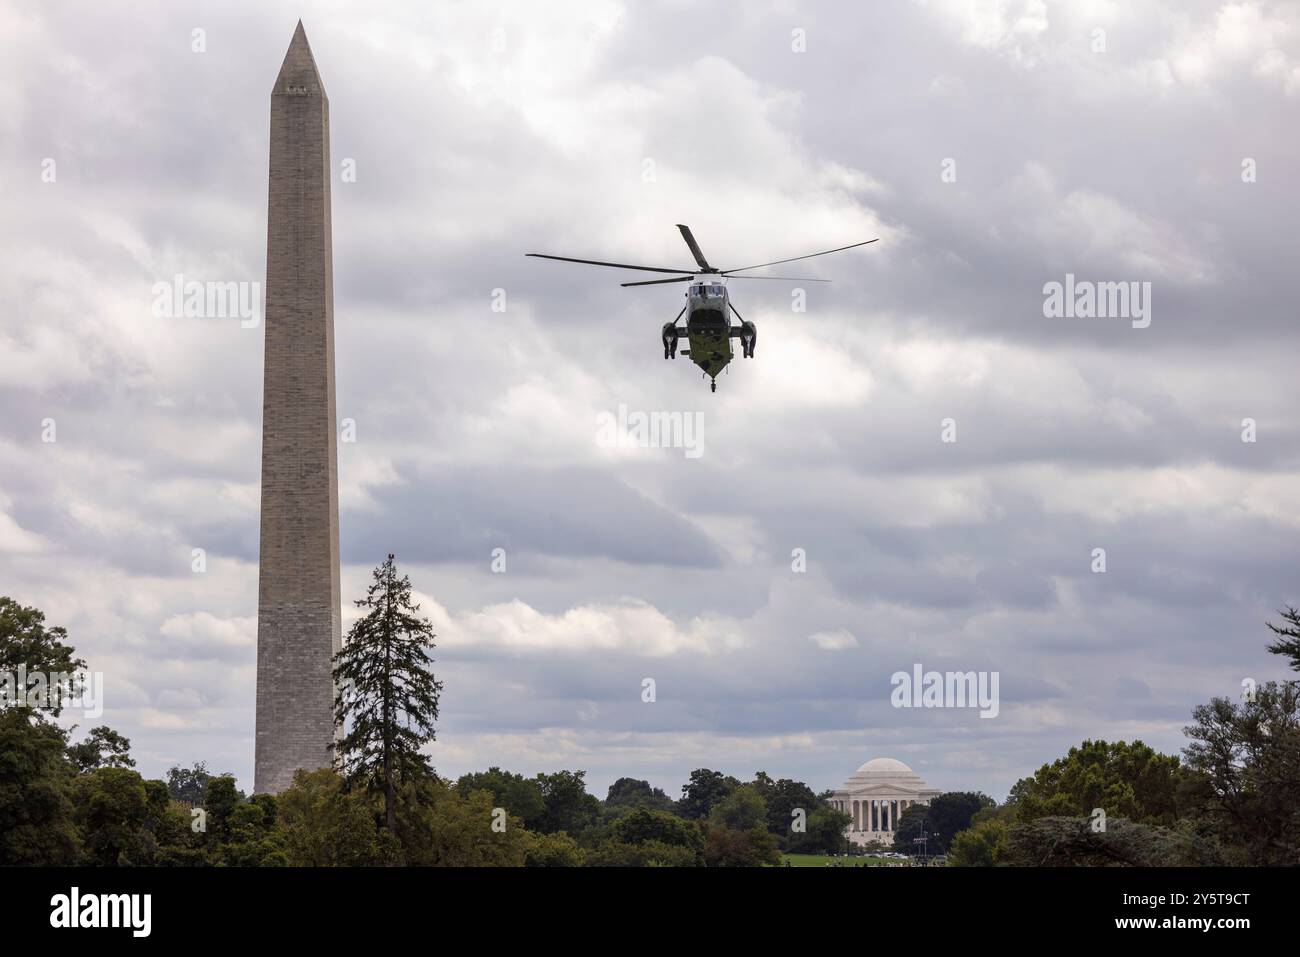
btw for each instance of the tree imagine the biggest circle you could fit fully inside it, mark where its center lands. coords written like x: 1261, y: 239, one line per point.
x: 635, y: 793
x: 189, y: 784
x: 647, y: 854
x: 949, y: 814
x: 645, y: 837
x: 569, y: 807
x: 220, y: 800
x: 1245, y: 762
x: 26, y: 642
x: 326, y: 825
x: 741, y: 810
x: 1289, y: 633
x: 910, y: 824
x: 387, y: 695
x: 983, y: 845
x: 253, y: 839
x: 728, y: 847
x: 112, y: 808
x: 705, y: 789
x: 103, y: 748
x: 783, y: 798
x: 1073, y: 842
x: 169, y: 838
x: 736, y: 833
x: 39, y: 652
x: 438, y: 826
x: 644, y: 825
x: 1125, y: 780
x: 519, y: 795
x: 37, y: 824
x: 824, y: 833
x: 553, y: 850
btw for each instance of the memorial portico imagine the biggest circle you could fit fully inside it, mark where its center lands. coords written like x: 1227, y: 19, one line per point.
x: 876, y: 796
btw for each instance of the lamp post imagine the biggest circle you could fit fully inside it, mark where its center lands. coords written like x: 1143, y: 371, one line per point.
x: 922, y: 840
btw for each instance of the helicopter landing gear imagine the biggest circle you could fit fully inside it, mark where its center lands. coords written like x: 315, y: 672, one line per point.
x: 747, y: 333
x: 670, y: 336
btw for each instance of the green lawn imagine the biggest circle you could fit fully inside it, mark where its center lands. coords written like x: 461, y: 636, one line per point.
x: 819, y: 860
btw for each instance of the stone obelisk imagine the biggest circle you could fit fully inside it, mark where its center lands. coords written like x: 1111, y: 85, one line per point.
x: 298, y: 608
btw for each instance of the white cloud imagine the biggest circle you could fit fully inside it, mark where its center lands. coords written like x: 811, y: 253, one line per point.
x: 631, y: 626
x: 203, y: 634
x: 1087, y: 223
x: 1013, y: 28
x: 836, y: 640
x: 1262, y: 39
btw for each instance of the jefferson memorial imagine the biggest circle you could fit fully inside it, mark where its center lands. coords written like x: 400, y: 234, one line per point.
x: 876, y: 796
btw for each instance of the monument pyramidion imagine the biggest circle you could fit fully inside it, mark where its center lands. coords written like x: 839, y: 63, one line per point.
x: 299, y: 627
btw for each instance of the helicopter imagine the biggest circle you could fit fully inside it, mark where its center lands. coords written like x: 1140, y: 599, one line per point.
x: 708, y: 327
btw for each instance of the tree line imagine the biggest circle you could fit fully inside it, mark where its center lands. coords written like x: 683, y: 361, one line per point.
x: 1231, y: 799
x: 380, y: 802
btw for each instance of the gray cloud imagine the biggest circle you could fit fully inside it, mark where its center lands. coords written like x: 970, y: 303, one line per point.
x: 476, y: 429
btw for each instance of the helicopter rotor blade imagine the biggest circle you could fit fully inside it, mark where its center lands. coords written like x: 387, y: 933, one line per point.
x: 785, y: 278
x: 728, y: 272
x: 597, y: 262
x: 656, y: 282
x: 695, y: 248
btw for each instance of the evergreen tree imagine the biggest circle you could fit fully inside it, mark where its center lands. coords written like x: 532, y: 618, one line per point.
x: 1289, y: 633
x: 387, y: 696
x: 1245, y: 757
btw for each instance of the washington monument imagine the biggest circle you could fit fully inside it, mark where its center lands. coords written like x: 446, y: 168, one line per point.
x: 298, y: 616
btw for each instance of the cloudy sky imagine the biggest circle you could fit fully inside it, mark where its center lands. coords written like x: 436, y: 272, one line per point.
x: 993, y: 145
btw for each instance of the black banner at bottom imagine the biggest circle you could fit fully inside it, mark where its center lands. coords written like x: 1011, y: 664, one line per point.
x: 931, y: 905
